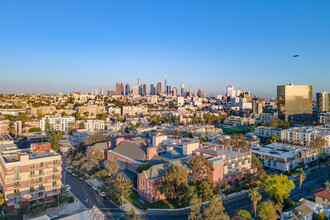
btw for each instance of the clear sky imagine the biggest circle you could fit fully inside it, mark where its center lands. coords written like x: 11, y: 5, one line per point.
x: 49, y: 46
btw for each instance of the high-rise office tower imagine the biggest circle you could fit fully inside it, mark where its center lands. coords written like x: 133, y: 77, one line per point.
x: 182, y: 89
x: 165, y: 86
x: 257, y: 107
x: 169, y: 91
x: 119, y: 88
x: 190, y: 91
x: 139, y: 82
x: 159, y: 88
x: 323, y: 101
x: 96, y: 92
x: 295, y: 102
x: 152, y: 92
x: 199, y: 93
x: 144, y: 90
x: 230, y: 91
x: 127, y: 89
x: 101, y: 91
x: 175, y: 91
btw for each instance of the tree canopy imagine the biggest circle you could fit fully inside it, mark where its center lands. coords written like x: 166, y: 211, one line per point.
x: 278, y: 187
x: 267, y: 211
x: 201, y: 167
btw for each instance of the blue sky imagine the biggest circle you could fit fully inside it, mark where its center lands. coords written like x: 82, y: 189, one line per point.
x: 67, y: 45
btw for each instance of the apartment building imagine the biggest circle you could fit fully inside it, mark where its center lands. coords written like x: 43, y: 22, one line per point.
x: 232, y: 165
x: 92, y: 125
x: 91, y: 110
x: 42, y: 110
x: 132, y: 110
x: 238, y: 121
x: 305, y: 135
x: 29, y: 175
x: 267, y: 131
x: 56, y: 123
x: 284, y: 157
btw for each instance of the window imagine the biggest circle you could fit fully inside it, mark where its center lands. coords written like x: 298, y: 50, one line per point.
x: 17, y: 168
x: 54, y: 177
x: 41, y: 187
x: 32, y: 189
x: 32, y: 181
x: 32, y: 173
x: 54, y: 183
x: 54, y: 169
x: 41, y: 194
x: 33, y: 166
x: 16, y: 190
x: 41, y: 179
x: 41, y: 164
x: 55, y: 162
x: 17, y: 200
x: 16, y: 176
x: 17, y: 183
x: 41, y: 172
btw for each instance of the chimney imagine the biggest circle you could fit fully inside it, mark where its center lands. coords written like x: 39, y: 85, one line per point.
x: 151, y: 152
x: 119, y: 140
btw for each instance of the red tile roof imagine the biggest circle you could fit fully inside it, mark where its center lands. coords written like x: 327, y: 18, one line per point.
x: 323, y: 194
x: 317, y: 190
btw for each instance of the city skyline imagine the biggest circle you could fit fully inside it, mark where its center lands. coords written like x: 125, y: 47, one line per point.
x: 45, y: 49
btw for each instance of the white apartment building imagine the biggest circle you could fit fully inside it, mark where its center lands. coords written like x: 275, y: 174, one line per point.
x: 304, y: 135
x: 284, y: 157
x: 132, y: 110
x: 56, y: 123
x: 113, y: 110
x: 92, y: 125
x: 267, y: 131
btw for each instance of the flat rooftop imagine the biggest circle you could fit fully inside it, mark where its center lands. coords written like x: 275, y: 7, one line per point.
x: 280, y: 150
x: 5, y: 137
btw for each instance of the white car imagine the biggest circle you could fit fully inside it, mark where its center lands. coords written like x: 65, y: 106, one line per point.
x: 94, y: 188
x: 53, y: 216
x: 102, y: 194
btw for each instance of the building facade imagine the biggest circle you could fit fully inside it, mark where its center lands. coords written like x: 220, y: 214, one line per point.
x: 295, y: 102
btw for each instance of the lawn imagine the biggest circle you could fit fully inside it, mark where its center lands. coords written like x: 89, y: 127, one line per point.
x: 234, y: 130
x: 162, y: 204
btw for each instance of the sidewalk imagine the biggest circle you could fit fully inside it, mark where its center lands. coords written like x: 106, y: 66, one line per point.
x: 128, y: 206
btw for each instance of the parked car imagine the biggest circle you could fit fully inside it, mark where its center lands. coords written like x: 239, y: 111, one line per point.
x: 102, y: 194
x: 53, y: 216
x: 94, y: 188
x: 81, y: 178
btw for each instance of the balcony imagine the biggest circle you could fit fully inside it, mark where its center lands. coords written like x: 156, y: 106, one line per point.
x: 37, y: 183
x: 37, y: 190
x: 36, y: 175
x: 17, y: 185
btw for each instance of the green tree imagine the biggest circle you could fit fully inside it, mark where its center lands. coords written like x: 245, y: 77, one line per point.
x: 174, y: 182
x: 267, y: 211
x: 302, y: 177
x: 318, y: 144
x: 141, y: 168
x: 214, y: 210
x: 203, y: 189
x: 195, y: 211
x: 132, y: 216
x: 2, y: 199
x: 255, y: 198
x: 327, y: 184
x: 54, y: 139
x: 278, y: 187
x: 274, y: 139
x: 321, y: 216
x: 201, y: 167
x: 47, y: 124
x: 112, y: 167
x: 11, y: 128
x: 34, y: 130
x: 244, y: 214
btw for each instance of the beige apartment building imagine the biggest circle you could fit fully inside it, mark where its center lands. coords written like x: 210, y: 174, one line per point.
x: 91, y: 110
x: 29, y: 175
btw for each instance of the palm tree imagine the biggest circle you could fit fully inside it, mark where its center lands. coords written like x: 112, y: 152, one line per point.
x: 327, y: 184
x: 302, y: 177
x: 255, y: 198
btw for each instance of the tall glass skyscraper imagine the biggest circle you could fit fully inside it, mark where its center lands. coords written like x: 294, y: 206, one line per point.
x: 295, y: 102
